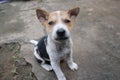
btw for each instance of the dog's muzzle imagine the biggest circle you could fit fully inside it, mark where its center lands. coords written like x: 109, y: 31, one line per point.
x: 61, y: 34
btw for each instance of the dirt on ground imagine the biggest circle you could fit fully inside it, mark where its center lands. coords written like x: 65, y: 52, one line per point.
x: 12, y: 66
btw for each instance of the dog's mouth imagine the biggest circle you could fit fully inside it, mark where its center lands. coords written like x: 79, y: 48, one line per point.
x: 62, y: 38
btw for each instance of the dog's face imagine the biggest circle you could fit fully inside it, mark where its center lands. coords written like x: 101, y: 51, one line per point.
x: 58, y: 23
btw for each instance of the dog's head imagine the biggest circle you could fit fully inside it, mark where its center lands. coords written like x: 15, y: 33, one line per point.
x: 58, y: 23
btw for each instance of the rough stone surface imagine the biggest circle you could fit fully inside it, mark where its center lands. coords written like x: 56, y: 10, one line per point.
x: 96, y: 36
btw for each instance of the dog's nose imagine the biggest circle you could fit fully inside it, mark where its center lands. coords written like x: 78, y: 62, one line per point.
x: 61, y: 32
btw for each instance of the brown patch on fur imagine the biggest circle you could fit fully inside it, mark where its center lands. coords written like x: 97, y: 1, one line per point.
x: 52, y: 17
x: 45, y: 17
x: 65, y: 16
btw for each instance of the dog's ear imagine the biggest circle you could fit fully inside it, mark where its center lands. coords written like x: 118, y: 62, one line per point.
x: 42, y: 15
x: 74, y: 12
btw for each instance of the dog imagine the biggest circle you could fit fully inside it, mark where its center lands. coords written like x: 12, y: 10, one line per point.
x: 57, y: 44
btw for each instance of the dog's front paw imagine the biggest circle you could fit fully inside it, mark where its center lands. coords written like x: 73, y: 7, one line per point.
x: 73, y: 66
x: 62, y: 78
x: 47, y: 67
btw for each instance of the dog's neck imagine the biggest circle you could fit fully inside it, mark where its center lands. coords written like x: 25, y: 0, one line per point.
x: 59, y: 46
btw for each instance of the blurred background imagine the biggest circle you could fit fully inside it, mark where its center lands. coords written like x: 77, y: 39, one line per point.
x: 96, y: 38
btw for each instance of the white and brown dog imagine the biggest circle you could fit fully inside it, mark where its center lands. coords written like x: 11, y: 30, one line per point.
x: 57, y: 45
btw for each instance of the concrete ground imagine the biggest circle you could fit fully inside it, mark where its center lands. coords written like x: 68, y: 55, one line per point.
x: 96, y: 36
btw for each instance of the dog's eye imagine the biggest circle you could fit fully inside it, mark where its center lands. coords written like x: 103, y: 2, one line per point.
x: 67, y: 21
x: 51, y: 23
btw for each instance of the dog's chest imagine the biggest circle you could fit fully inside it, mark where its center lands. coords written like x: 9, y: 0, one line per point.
x: 62, y: 50
x: 57, y: 50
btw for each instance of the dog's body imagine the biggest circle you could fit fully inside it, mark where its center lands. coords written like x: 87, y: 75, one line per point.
x: 57, y: 45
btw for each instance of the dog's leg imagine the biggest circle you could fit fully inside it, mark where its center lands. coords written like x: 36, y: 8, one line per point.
x: 46, y: 66
x: 71, y: 64
x: 57, y: 70
x: 43, y: 64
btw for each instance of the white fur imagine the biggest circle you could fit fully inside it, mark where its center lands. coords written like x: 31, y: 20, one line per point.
x: 47, y: 67
x: 59, y: 25
x: 34, y: 42
x: 56, y: 56
x: 72, y: 65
